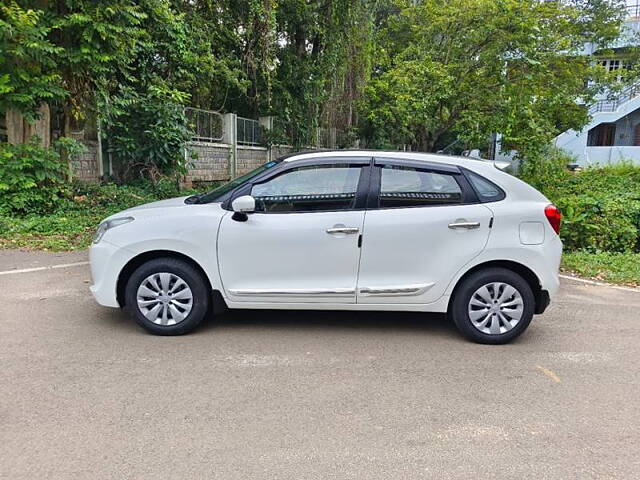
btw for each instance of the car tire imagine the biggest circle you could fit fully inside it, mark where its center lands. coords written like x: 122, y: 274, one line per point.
x: 167, y: 296
x: 492, y: 306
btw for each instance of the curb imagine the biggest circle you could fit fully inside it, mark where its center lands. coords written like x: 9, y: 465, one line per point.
x: 599, y: 284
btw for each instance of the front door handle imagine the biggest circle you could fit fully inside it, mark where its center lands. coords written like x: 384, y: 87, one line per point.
x: 464, y: 225
x: 347, y: 230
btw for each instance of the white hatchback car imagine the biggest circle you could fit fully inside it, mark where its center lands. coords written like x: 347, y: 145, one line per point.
x: 347, y: 230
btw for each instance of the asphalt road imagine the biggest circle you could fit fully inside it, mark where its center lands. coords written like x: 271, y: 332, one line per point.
x: 86, y: 394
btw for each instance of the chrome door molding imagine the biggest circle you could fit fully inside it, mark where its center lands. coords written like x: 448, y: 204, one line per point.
x: 298, y: 292
x: 400, y: 290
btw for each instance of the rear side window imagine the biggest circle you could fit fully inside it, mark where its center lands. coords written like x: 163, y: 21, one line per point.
x: 402, y: 186
x: 487, y: 191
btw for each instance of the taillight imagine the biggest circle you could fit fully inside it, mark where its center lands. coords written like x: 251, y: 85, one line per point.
x: 554, y: 215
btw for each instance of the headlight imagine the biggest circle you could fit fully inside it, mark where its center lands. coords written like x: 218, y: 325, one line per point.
x: 108, y: 225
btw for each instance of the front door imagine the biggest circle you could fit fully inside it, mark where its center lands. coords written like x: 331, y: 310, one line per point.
x: 421, y: 230
x: 301, y: 245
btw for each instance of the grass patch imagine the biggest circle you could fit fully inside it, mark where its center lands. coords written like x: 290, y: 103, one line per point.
x: 72, y: 225
x: 611, y: 267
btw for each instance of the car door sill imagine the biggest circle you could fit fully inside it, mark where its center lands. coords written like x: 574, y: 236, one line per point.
x: 404, y: 290
x: 315, y: 292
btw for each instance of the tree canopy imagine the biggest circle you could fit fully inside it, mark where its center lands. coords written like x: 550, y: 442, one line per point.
x: 386, y: 72
x: 469, y: 68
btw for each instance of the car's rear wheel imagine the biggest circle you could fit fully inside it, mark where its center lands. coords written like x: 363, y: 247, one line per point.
x: 494, y: 306
x: 167, y: 296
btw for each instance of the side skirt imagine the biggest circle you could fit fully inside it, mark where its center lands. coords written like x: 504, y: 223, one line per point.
x: 439, y: 306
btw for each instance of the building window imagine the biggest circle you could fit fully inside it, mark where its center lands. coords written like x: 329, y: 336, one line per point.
x: 636, y: 135
x: 602, y: 136
x: 616, y: 65
x: 611, y: 64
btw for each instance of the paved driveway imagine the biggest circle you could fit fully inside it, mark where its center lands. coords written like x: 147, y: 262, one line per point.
x: 86, y: 394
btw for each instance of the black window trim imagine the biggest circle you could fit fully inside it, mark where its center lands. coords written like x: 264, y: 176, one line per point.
x: 469, y: 195
x: 362, y: 189
x: 418, y: 164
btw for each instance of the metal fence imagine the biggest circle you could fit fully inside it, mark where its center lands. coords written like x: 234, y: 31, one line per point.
x: 633, y: 10
x: 207, y: 125
x: 612, y: 104
x: 248, y: 131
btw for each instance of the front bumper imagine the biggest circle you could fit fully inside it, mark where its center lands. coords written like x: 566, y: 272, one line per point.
x: 107, y: 261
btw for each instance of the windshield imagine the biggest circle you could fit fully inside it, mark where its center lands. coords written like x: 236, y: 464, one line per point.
x: 215, y: 194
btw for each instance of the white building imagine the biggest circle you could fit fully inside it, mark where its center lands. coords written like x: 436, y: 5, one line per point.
x: 613, y: 134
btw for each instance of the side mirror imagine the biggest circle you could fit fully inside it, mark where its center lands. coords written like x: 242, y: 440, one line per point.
x: 242, y: 206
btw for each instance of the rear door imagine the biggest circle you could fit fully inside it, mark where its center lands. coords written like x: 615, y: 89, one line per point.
x: 423, y: 224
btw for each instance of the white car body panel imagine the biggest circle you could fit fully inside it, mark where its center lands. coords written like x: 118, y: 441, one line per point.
x: 172, y: 226
x: 403, y: 247
x: 289, y: 256
x: 409, y: 259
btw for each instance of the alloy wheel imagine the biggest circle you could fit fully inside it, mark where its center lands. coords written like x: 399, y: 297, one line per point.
x: 495, y: 308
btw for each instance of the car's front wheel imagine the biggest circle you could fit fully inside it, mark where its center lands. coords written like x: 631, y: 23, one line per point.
x: 167, y: 296
x: 494, y: 306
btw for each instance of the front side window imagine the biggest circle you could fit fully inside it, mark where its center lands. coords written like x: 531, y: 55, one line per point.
x: 402, y: 186
x: 216, y: 194
x: 308, y: 189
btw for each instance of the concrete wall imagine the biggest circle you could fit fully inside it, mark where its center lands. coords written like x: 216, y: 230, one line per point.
x: 611, y: 155
x: 211, y: 162
x: 85, y: 168
x: 214, y: 160
x: 250, y: 158
x: 280, y: 150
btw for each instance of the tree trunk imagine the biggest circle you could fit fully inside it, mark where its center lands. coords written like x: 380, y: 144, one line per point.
x: 20, y: 131
x: 15, y: 127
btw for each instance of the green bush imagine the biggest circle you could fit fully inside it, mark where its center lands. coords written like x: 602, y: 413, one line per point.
x: 73, y: 222
x: 600, y: 205
x: 32, y: 178
x: 547, y: 171
x: 146, y: 135
x: 599, y: 223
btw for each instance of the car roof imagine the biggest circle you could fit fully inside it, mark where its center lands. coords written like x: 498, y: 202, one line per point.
x: 414, y: 156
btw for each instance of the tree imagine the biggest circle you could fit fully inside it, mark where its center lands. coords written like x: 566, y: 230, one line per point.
x: 473, y: 67
x: 28, y: 74
x: 322, y: 61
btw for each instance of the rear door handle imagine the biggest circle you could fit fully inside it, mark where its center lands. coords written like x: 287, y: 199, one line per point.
x: 347, y: 230
x: 464, y: 225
